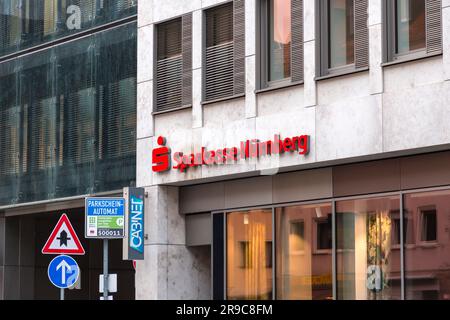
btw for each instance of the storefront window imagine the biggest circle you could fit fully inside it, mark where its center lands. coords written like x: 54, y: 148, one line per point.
x: 249, y: 255
x: 427, y: 263
x: 303, y: 242
x: 368, y: 266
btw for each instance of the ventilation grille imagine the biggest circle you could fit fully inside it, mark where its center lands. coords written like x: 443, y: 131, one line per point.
x: 434, y: 26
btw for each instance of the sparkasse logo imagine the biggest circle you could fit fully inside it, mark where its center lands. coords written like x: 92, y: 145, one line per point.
x: 161, y: 156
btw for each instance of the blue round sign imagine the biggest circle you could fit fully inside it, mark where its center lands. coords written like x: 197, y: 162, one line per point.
x: 63, y: 272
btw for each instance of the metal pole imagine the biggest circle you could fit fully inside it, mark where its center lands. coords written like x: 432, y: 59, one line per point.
x: 105, y: 269
x: 61, y: 294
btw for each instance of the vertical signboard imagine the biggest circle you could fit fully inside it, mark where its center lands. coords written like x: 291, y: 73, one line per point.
x: 133, y: 243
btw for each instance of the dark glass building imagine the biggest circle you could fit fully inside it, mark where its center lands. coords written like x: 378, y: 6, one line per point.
x: 67, y: 130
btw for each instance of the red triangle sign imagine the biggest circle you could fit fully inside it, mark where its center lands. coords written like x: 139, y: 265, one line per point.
x: 63, y: 239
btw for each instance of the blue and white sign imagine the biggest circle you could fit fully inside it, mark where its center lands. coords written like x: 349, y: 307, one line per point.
x: 133, y: 246
x: 105, y: 218
x: 63, y: 272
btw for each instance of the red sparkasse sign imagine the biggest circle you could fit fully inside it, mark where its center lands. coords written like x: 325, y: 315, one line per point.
x: 63, y: 239
x: 248, y: 149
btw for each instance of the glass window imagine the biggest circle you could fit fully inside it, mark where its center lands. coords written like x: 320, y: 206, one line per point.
x: 26, y: 23
x: 301, y: 272
x: 279, y: 40
x: 249, y: 255
x: 428, y: 224
x: 409, y: 25
x: 408, y: 237
x: 324, y: 234
x: 341, y: 33
x: 427, y: 264
x: 67, y: 117
x: 367, y: 266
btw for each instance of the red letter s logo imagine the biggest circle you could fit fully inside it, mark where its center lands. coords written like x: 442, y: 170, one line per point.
x: 161, y: 156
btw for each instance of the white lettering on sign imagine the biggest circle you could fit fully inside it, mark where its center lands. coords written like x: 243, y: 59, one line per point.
x: 105, y: 203
x: 136, y: 224
x: 106, y: 211
x: 74, y: 20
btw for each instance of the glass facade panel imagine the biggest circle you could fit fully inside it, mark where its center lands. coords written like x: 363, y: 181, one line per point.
x: 26, y: 23
x: 279, y: 39
x: 341, y: 35
x: 68, y: 119
x: 427, y: 261
x: 304, y: 260
x: 249, y: 255
x: 368, y: 266
x: 410, y: 25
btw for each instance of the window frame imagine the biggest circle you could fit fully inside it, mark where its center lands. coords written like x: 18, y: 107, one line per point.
x: 155, y: 49
x: 204, y: 100
x: 422, y: 232
x: 316, y: 223
x: 263, y: 34
x: 390, y: 36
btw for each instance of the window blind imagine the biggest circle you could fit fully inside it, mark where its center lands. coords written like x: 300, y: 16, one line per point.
x: 225, y: 51
x: 169, y: 66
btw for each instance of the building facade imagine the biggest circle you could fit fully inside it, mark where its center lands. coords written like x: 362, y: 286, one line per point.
x: 67, y: 130
x: 294, y: 149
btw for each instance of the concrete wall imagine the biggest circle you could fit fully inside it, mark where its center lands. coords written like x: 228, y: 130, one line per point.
x: 386, y: 111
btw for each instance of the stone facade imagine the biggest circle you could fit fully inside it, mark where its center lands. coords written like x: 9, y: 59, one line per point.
x: 387, y: 111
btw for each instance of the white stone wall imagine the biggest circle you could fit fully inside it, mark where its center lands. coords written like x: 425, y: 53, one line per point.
x: 391, y: 109
x: 386, y: 109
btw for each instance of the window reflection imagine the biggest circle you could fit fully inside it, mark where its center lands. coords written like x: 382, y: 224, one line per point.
x: 68, y: 116
x: 410, y: 25
x: 341, y: 33
x: 249, y: 255
x: 280, y: 40
x: 25, y: 23
x: 304, y: 252
x: 427, y: 263
x: 368, y: 268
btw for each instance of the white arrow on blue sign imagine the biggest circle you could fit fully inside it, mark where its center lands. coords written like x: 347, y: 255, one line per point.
x: 63, y: 272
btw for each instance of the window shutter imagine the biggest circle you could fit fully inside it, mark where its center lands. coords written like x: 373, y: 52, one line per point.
x: 297, y: 41
x: 361, y: 34
x: 220, y: 54
x: 187, y: 59
x: 169, y: 66
x: 239, y: 46
x: 433, y: 10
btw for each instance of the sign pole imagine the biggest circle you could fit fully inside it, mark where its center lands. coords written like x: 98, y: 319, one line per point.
x: 105, y: 269
x: 62, y: 294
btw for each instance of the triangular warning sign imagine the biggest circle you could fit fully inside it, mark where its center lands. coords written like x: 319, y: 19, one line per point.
x: 63, y: 239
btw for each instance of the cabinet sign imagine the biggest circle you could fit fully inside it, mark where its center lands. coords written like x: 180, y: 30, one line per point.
x: 133, y: 243
x: 104, y: 218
